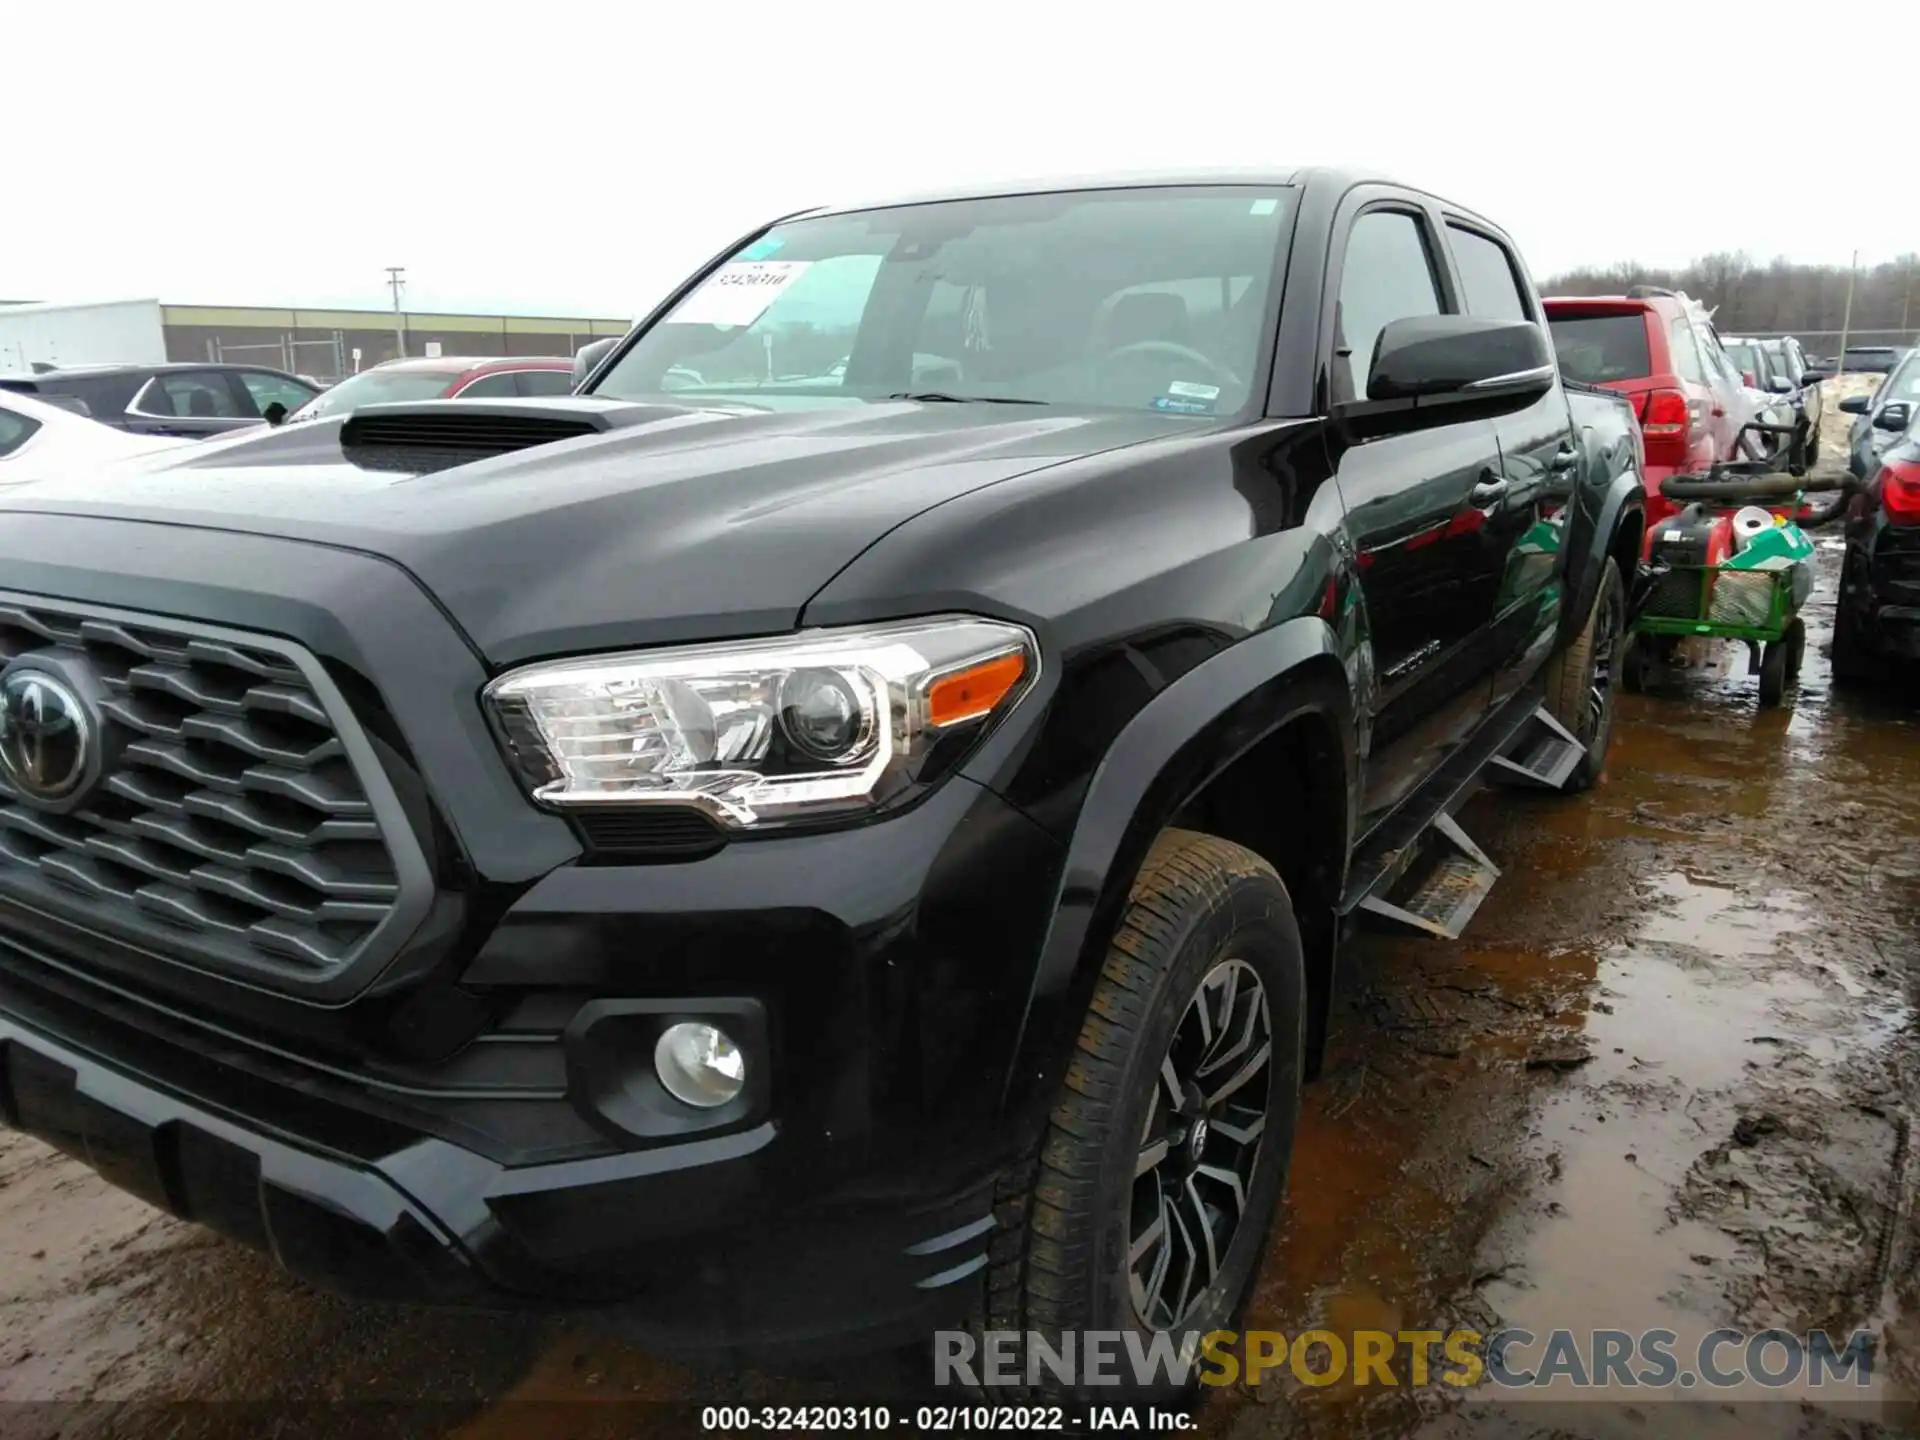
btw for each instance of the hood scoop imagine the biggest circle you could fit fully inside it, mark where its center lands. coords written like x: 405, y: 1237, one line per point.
x: 437, y: 434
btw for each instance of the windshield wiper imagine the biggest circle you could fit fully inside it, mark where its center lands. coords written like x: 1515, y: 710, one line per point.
x: 941, y: 397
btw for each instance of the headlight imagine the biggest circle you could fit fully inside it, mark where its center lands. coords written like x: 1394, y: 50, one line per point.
x: 763, y: 731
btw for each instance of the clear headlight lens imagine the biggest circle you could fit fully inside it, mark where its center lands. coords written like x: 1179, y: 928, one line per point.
x: 756, y: 732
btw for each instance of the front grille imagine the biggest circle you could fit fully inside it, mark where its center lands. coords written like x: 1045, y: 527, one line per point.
x: 228, y: 826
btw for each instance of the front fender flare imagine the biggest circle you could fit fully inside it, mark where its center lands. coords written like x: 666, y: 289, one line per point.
x: 1181, y: 739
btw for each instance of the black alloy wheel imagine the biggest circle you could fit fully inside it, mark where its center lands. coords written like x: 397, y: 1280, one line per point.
x: 1200, y: 1145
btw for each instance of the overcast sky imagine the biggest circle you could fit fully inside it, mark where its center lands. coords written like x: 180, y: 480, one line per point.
x: 577, y: 158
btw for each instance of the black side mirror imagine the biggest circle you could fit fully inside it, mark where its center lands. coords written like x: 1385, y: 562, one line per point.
x: 589, y: 356
x: 274, y: 414
x: 1780, y: 385
x: 1433, y: 358
x: 1895, y: 415
x: 1854, y: 404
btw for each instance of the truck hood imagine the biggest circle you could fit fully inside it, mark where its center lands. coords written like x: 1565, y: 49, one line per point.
x: 680, y: 524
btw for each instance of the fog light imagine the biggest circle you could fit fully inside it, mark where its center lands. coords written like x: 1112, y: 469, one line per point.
x: 699, y: 1065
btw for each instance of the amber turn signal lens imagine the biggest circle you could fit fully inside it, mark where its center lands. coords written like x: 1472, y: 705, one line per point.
x: 973, y: 692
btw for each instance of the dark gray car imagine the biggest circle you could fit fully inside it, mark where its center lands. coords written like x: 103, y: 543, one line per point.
x: 1882, y: 416
x: 171, y: 399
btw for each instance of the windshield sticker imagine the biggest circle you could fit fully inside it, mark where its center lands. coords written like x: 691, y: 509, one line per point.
x: 760, y: 249
x: 738, y: 293
x: 1264, y: 207
x: 1194, y: 391
x: 1183, y: 405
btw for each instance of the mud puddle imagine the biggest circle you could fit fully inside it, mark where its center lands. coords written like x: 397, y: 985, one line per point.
x: 1674, y: 1093
x: 1665, y: 1081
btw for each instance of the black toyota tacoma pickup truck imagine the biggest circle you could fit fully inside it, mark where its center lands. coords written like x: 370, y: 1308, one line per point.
x: 847, y: 824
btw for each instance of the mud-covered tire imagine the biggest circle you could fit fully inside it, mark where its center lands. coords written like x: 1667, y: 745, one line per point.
x: 1580, y: 688
x: 1069, y: 1217
x: 1848, y: 658
x: 1635, y: 666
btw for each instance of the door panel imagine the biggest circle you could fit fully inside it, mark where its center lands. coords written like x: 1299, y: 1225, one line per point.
x: 1428, y: 573
x: 1539, y: 452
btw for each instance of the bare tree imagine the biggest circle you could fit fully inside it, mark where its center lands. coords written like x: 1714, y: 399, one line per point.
x: 1781, y: 296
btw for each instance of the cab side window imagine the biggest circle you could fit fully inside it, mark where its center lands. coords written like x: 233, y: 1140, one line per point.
x: 1387, y: 275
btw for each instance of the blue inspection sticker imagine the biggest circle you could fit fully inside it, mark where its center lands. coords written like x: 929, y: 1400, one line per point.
x: 760, y: 249
x: 1183, y: 404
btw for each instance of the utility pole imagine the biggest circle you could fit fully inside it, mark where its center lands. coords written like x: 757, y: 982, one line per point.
x: 1906, y: 300
x: 1846, y: 320
x: 396, y: 282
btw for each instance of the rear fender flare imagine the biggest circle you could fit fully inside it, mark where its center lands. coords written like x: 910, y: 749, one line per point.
x: 1181, y: 739
x: 1623, y: 503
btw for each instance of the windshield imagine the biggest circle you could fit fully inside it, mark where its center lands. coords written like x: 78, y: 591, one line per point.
x: 376, y: 387
x: 1147, y: 299
x: 1903, y: 383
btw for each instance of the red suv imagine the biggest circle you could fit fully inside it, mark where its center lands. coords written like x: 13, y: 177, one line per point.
x: 444, y: 377
x: 1645, y: 345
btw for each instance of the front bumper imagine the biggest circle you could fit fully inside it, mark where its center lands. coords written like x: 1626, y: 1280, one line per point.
x: 424, y: 1223
x: 853, y: 1208
x: 449, y: 1131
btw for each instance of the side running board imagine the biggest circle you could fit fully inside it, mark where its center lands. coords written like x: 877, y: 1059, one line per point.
x: 1438, y: 883
x: 1542, y: 754
x: 1418, y: 870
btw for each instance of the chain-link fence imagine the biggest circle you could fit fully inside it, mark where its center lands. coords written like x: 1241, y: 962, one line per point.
x: 324, y: 358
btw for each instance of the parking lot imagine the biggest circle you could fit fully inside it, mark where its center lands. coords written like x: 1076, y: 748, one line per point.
x: 1666, y: 1077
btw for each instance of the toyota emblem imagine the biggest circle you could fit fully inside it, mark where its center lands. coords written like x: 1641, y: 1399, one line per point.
x: 45, y: 735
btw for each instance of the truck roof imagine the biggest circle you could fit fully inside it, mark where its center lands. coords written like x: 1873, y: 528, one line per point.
x: 1336, y: 179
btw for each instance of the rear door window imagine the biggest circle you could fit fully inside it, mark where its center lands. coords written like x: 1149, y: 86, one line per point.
x: 1487, y: 276
x: 1596, y: 349
x: 200, y: 394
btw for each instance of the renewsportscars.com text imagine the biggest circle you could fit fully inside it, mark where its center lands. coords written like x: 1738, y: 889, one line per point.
x: 1509, y: 1358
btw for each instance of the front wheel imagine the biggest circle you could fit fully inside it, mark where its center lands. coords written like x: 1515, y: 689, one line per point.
x: 1580, y: 679
x: 1166, y: 1152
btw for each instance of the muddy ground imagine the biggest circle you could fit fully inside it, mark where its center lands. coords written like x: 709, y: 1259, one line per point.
x: 1667, y: 1079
